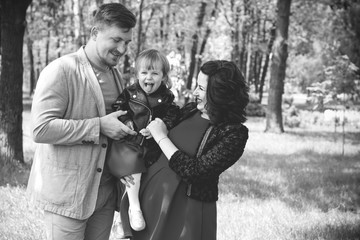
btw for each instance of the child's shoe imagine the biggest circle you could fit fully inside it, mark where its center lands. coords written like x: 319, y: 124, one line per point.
x: 137, y: 221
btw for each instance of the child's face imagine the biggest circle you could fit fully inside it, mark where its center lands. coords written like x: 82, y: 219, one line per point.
x: 150, y: 79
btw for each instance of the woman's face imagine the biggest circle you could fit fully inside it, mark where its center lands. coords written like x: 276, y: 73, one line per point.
x: 200, y: 91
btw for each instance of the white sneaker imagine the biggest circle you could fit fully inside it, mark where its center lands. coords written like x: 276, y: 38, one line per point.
x: 137, y: 221
x: 117, y: 231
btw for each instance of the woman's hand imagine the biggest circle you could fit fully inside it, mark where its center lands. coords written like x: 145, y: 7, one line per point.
x: 159, y: 132
x: 157, y: 129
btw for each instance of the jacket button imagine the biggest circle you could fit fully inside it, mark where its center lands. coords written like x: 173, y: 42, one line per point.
x: 98, y: 169
x: 104, y: 145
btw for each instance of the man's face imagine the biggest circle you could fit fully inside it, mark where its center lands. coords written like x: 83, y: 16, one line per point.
x: 111, y: 43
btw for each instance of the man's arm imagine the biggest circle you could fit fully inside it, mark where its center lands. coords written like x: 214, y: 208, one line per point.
x: 51, y: 101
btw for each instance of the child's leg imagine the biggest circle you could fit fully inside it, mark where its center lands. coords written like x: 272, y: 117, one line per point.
x: 133, y: 192
x: 136, y: 218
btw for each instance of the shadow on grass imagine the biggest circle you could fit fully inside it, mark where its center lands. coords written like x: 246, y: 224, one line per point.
x: 331, y: 232
x: 349, y: 136
x: 326, y: 181
x: 14, y: 174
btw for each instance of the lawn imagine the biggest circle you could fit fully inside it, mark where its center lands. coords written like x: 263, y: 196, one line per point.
x: 296, y: 185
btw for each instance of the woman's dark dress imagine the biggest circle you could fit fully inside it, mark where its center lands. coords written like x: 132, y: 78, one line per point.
x: 169, y: 213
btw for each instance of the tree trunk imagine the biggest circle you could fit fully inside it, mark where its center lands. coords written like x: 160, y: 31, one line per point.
x: 235, y: 34
x: 256, y: 69
x: 166, y: 24
x: 29, y: 44
x: 195, y: 42
x: 47, y: 45
x: 77, y: 23
x: 245, y: 31
x: 258, y: 55
x: 58, y: 44
x: 274, y: 121
x: 180, y: 45
x: 248, y: 59
x: 207, y: 34
x: 139, y: 27
x: 267, y: 60
x: 38, y: 64
x: 142, y: 38
x: 13, y: 24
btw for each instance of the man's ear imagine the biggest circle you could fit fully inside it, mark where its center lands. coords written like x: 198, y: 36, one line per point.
x: 94, y: 32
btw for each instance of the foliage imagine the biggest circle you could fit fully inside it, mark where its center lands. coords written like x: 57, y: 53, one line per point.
x: 321, y: 40
x: 319, y: 32
x: 255, y: 109
x: 291, y: 117
x: 343, y: 75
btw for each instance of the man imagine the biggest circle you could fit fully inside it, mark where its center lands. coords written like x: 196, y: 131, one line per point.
x: 72, y: 119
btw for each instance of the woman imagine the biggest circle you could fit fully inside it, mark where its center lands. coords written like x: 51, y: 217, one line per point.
x: 179, y: 192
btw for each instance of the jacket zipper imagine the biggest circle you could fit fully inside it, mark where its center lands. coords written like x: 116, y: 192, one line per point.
x: 150, y: 116
x: 188, y: 191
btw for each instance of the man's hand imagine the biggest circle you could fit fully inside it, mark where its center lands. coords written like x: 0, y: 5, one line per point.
x: 113, y: 128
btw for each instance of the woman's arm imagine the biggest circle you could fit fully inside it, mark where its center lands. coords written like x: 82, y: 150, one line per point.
x: 159, y: 132
x: 223, y: 154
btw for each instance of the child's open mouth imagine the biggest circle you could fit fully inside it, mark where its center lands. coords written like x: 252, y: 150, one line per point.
x: 148, y: 84
x: 148, y: 87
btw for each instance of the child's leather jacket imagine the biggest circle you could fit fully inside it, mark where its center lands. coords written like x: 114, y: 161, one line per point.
x: 142, y: 109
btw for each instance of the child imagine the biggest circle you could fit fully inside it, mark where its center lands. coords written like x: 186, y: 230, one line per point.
x: 145, y: 100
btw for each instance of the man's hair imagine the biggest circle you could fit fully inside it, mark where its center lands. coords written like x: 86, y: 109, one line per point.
x: 114, y: 14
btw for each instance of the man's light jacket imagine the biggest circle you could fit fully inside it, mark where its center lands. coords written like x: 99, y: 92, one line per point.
x: 70, y: 156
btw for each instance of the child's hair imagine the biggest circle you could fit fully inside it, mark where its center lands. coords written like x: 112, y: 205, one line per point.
x: 150, y: 58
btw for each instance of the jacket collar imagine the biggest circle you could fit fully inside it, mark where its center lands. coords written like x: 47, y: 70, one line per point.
x: 136, y: 92
x: 92, y: 79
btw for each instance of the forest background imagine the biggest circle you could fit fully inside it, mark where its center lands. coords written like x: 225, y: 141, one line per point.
x: 284, y: 48
x: 302, y: 184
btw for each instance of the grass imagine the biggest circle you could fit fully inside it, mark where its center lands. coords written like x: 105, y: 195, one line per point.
x: 297, y: 185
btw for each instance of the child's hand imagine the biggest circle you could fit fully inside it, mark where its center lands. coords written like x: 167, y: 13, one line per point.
x: 127, y: 180
x: 146, y: 133
x: 130, y: 125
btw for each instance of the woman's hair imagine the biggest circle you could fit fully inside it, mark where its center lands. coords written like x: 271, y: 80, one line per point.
x: 114, y: 14
x: 227, y: 93
x: 152, y: 58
